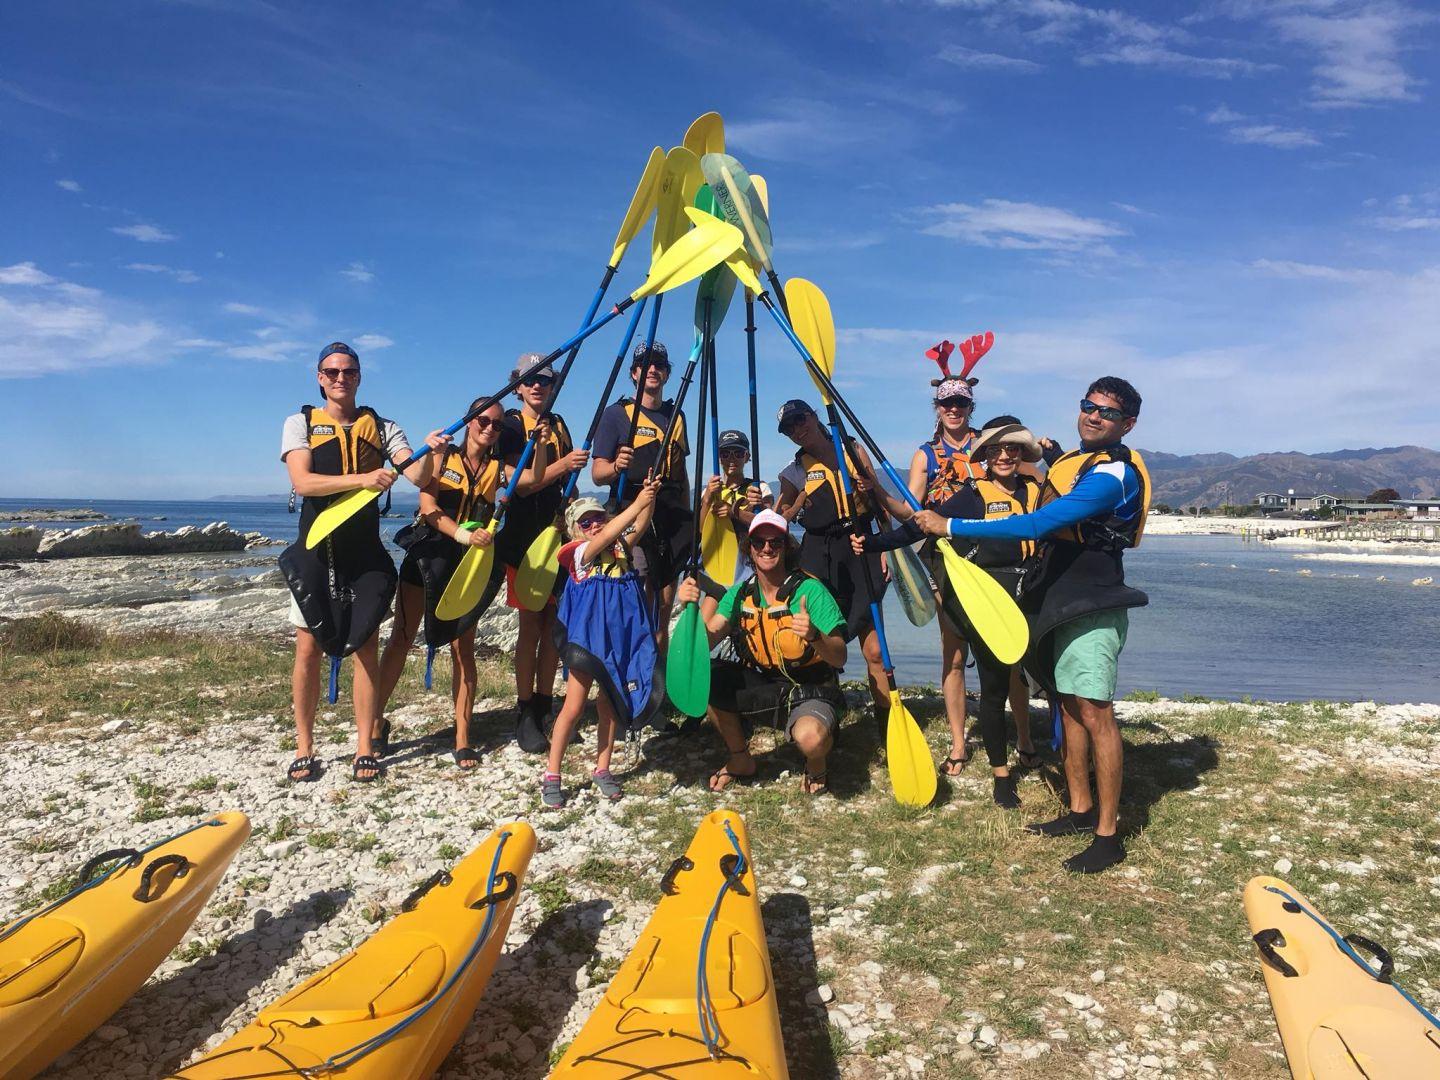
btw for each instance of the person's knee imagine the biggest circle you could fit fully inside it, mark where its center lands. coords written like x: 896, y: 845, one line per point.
x: 811, y: 736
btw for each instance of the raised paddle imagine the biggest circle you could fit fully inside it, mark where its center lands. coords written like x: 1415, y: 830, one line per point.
x: 990, y: 609
x: 763, y: 191
x: 540, y: 565
x: 704, y: 246
x: 718, y: 547
x: 706, y: 135
x: 907, y: 755
x: 743, y: 207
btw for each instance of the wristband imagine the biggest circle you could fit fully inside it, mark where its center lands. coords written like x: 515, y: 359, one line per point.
x: 462, y: 535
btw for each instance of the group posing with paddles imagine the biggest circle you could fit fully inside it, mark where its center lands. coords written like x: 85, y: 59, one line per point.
x: 1019, y: 558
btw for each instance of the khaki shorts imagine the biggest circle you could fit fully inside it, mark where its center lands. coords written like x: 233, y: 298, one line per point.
x: 1087, y: 654
x: 296, y: 619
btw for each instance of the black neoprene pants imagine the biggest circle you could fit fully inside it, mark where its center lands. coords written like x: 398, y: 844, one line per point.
x: 994, y: 694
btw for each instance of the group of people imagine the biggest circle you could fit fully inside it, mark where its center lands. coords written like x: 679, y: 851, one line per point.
x: 1051, y: 527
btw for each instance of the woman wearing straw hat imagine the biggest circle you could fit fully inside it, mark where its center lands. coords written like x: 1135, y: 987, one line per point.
x: 1004, y: 491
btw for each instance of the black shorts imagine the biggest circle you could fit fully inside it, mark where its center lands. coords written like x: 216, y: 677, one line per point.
x: 410, y: 571
x: 758, y: 698
x: 832, y: 560
x: 662, y: 554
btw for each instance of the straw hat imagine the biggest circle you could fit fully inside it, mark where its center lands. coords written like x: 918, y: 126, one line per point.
x: 1007, y: 433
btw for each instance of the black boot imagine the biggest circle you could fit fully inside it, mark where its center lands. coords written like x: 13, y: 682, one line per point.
x: 1004, y: 793
x: 1103, y: 853
x: 1067, y: 824
x: 529, y: 733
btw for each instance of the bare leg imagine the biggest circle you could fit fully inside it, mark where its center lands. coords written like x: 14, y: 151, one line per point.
x: 1077, y: 756
x: 409, y: 605
x: 526, y: 648
x: 462, y: 685
x: 604, y: 732
x: 367, y: 716
x: 813, y: 740
x: 665, y: 600
x: 740, y: 762
x: 547, y: 661
x: 305, y: 690
x: 577, y: 689
x: 875, y: 669
x: 1020, y: 710
x: 1098, y: 718
x: 952, y: 687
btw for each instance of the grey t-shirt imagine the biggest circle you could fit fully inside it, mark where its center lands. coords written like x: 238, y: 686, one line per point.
x: 296, y: 436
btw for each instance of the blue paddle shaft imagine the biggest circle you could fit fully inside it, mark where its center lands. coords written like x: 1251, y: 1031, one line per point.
x: 650, y: 332
x: 574, y: 477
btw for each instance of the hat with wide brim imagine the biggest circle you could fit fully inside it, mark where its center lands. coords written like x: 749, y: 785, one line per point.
x: 1007, y: 433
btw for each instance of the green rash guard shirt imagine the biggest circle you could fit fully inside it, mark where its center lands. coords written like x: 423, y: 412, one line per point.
x: 824, y: 612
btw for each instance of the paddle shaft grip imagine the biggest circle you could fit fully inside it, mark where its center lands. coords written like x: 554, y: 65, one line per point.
x: 707, y: 384
x: 574, y: 477
x: 754, y: 405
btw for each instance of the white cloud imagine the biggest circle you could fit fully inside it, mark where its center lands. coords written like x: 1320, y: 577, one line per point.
x: 187, y: 277
x: 234, y: 308
x: 1411, y: 223
x: 358, y: 271
x: 48, y: 325
x: 975, y: 60
x: 1159, y: 56
x: 1240, y: 128
x: 371, y: 342
x: 1359, y: 47
x: 1223, y: 114
x: 1000, y: 223
x: 1131, y: 209
x: 1298, y: 271
x: 146, y: 234
x: 199, y: 343
x: 270, y: 352
x: 798, y: 129
x: 26, y: 273
x: 68, y: 185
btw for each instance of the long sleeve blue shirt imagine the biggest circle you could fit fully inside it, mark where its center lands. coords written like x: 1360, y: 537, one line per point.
x: 1111, y: 488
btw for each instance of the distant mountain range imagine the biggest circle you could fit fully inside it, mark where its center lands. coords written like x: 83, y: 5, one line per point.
x: 1216, y: 479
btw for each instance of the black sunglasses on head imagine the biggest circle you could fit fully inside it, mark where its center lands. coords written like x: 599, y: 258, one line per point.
x: 1106, y: 412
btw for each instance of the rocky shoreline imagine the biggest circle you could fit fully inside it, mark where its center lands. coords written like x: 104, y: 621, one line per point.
x: 124, y: 538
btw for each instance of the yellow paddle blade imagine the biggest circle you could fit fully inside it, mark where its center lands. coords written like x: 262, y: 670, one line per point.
x: 642, y: 205
x: 709, y: 244
x: 912, y: 770
x: 763, y: 190
x: 466, y: 584
x: 991, y: 610
x: 339, y: 512
x: 535, y: 576
x: 706, y: 135
x: 719, y: 549
x: 741, y: 266
x: 813, y: 324
x: 680, y: 179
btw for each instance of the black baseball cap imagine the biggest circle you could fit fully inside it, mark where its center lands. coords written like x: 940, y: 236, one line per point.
x: 337, y: 347
x: 793, y: 409
x: 732, y: 438
x: 658, y: 354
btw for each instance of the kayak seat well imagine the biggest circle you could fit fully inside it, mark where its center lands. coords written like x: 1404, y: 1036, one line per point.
x: 393, y: 977
x: 660, y: 984
x: 37, y: 957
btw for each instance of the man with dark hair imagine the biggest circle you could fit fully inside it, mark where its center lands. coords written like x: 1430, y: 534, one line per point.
x: 1092, y: 507
x: 627, y: 446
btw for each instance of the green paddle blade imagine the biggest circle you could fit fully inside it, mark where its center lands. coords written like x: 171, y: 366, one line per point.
x: 912, y: 584
x: 719, y: 549
x: 467, y: 584
x: 740, y: 203
x: 991, y: 610
x: 337, y: 513
x: 687, y: 663
x: 912, y: 771
x: 535, y: 576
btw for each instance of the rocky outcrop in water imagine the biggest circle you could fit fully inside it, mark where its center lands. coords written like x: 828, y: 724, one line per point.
x: 40, y: 513
x: 125, y: 538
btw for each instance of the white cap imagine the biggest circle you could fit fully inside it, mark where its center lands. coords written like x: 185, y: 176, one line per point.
x: 771, y: 520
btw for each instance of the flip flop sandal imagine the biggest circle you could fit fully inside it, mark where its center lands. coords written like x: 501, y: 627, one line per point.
x: 814, y: 785
x: 952, y: 762
x: 464, y: 754
x: 304, y: 769
x: 730, y: 778
x: 1030, y: 759
x: 365, y: 763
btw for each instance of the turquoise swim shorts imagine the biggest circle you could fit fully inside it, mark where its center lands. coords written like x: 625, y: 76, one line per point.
x: 1087, y: 654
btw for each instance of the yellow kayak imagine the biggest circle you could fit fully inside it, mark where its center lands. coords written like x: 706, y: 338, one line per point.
x: 394, y: 1006
x: 1338, y: 1017
x: 65, y: 969
x: 654, y: 1019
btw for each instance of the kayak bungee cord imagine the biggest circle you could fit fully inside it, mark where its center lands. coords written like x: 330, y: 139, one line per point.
x: 345, y: 1058
x: 132, y: 857
x: 704, y: 1004
x: 1345, y: 947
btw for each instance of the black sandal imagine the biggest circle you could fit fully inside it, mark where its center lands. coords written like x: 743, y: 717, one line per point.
x: 946, y: 765
x: 304, y: 769
x: 814, y: 785
x: 381, y: 741
x: 365, y: 763
x: 1030, y: 759
x: 464, y: 754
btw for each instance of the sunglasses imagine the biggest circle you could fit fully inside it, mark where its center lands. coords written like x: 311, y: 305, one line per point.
x: 955, y: 403
x: 1106, y: 412
x: 732, y: 451
x: 767, y: 543
x: 334, y: 373
x: 485, y: 423
x: 791, y: 426
x: 539, y: 380
x: 1006, y: 450
x: 589, y: 523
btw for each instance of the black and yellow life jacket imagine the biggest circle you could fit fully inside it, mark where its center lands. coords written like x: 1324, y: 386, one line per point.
x: 1109, y: 533
x: 649, y: 437
x: 824, y: 494
x: 336, y: 450
x: 998, y: 504
x: 465, y: 495
x: 763, y: 637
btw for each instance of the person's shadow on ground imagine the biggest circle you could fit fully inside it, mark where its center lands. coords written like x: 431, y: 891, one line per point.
x: 803, y: 1020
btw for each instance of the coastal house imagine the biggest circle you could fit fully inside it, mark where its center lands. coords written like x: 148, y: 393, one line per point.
x: 1270, y: 501
x: 1364, y: 510
x: 1419, y: 509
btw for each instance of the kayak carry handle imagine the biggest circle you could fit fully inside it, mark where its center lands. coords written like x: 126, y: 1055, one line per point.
x: 667, y: 883
x: 132, y: 857
x: 1375, y: 949
x: 509, y: 886
x: 182, y: 865
x: 440, y: 877
x: 1265, y: 941
x: 728, y: 866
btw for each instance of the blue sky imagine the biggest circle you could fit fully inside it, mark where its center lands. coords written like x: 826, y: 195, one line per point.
x: 1235, y: 204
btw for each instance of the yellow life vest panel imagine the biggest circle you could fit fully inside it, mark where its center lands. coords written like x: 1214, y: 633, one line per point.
x: 1000, y: 503
x: 338, y: 451
x: 1109, y: 533
x: 763, y: 634
x: 465, y: 495
x: 824, y: 493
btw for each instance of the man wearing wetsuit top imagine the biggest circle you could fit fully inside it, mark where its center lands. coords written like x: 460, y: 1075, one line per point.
x: 664, y: 550
x: 1092, y: 507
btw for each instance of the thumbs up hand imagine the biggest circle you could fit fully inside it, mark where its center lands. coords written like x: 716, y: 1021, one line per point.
x: 801, y: 624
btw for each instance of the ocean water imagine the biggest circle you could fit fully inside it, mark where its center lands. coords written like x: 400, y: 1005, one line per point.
x: 1227, y: 618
